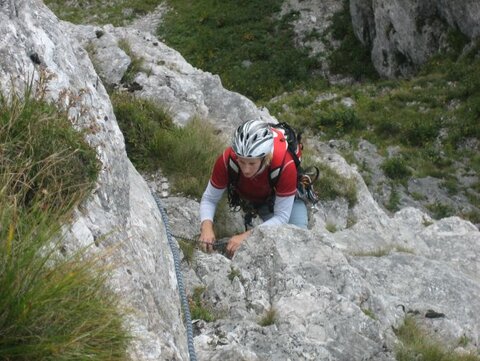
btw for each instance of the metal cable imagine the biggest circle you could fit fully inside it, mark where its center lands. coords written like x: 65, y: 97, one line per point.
x: 178, y: 273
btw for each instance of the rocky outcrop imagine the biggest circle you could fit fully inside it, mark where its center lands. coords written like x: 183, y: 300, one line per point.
x: 121, y: 211
x: 336, y: 296
x: 404, y: 34
x: 167, y: 79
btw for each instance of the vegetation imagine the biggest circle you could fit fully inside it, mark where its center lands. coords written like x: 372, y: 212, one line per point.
x: 135, y: 66
x: 351, y: 57
x: 53, y: 305
x: 417, y: 344
x: 425, y: 117
x: 117, y: 12
x: 198, y: 308
x: 331, y: 185
x: 429, y: 117
x: 369, y: 313
x: 153, y: 142
x: 269, y: 318
x: 188, y: 249
x: 384, y: 251
x: 246, y: 42
x: 395, y: 168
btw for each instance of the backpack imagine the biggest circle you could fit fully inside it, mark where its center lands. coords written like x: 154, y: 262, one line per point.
x: 304, y: 176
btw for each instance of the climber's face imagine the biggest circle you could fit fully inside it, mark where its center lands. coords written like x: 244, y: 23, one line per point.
x: 249, y: 166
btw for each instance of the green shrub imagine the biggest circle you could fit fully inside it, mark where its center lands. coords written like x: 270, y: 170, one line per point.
x: 337, y: 121
x: 440, y: 210
x: 44, y: 159
x: 135, y: 66
x: 472, y: 216
x: 393, y: 199
x: 396, y: 168
x: 52, y: 306
x: 419, y: 130
x: 188, y: 155
x: 188, y: 249
x: 140, y: 121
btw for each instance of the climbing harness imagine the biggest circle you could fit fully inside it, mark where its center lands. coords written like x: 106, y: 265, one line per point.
x: 178, y: 273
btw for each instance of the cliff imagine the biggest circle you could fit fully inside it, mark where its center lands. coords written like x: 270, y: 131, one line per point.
x: 336, y: 296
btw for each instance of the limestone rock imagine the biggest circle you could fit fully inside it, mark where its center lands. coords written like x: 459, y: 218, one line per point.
x: 404, y: 34
x: 121, y: 211
x: 167, y: 79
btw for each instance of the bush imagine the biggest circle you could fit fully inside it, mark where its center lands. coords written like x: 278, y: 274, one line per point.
x: 141, y: 121
x: 440, y: 210
x: 338, y: 121
x: 418, y: 131
x: 198, y: 307
x: 395, y: 168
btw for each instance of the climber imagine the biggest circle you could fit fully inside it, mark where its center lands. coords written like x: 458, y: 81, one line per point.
x: 247, y: 169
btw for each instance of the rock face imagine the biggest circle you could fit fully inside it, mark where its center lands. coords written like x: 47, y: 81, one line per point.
x: 121, y: 210
x: 332, y: 296
x: 168, y: 79
x: 403, y: 34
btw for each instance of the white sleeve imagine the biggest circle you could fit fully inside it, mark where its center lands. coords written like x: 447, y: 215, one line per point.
x: 282, y: 209
x: 208, y: 204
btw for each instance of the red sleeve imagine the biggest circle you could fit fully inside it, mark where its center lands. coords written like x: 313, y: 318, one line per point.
x: 219, y: 178
x: 287, y: 183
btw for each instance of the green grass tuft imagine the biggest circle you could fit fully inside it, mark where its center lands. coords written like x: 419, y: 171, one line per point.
x: 44, y: 160
x: 331, y: 185
x: 417, y: 344
x: 186, y: 155
x: 269, y: 318
x: 198, y: 306
x: 52, y: 306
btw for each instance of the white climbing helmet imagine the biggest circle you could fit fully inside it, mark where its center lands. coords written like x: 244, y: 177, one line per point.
x: 253, y: 139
